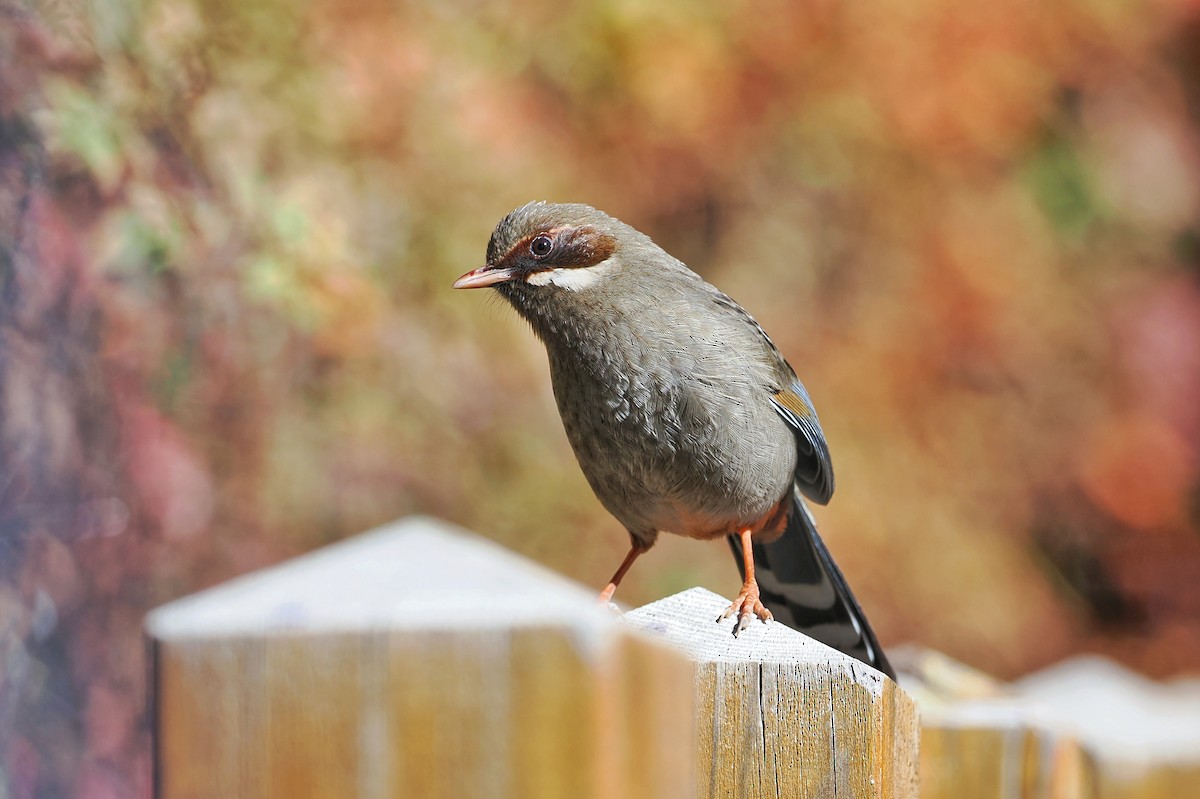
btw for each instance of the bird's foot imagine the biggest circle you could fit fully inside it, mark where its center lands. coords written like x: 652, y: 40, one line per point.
x: 746, y: 605
x: 606, y: 596
x: 605, y: 600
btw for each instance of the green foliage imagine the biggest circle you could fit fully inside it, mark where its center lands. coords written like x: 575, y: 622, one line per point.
x: 1058, y: 177
x: 83, y: 124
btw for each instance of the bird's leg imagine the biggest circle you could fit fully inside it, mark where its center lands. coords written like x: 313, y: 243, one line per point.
x: 607, y: 594
x: 748, y: 601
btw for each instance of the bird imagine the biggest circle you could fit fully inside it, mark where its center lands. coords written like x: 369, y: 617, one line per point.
x: 682, y: 413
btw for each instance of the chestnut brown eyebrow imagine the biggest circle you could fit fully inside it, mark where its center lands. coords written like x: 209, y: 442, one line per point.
x: 584, y: 246
x: 576, y: 247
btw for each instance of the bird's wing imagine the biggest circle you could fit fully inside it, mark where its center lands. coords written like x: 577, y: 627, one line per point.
x: 814, y: 469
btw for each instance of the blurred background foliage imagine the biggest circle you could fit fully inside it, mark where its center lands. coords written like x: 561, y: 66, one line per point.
x: 228, y: 229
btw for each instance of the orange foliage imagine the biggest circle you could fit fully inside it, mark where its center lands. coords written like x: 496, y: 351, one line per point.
x: 227, y: 232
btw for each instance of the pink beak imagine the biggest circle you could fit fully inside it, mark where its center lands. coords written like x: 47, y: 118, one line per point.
x: 482, y: 277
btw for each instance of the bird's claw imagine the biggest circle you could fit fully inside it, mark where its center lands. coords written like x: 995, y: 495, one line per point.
x: 746, y: 605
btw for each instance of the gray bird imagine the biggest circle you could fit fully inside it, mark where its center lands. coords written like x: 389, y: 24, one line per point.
x: 683, y: 415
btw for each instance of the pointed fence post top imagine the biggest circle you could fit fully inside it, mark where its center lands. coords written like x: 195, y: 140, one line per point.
x: 687, y: 621
x: 415, y: 574
x: 414, y: 660
x: 780, y: 714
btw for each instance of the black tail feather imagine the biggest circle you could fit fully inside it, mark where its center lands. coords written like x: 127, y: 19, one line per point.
x: 804, y: 589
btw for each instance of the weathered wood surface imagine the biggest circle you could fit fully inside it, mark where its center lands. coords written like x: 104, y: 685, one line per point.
x: 781, y: 715
x: 978, y: 742
x: 413, y: 661
x: 1142, y: 736
x: 1083, y: 729
x: 1000, y: 750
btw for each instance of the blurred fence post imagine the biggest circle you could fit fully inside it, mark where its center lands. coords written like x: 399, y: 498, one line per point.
x: 997, y: 751
x: 978, y: 742
x: 1086, y: 728
x: 781, y: 715
x: 413, y: 661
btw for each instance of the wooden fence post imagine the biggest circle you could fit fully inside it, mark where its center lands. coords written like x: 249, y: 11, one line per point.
x: 1085, y: 728
x: 413, y: 661
x: 979, y: 742
x: 781, y: 715
x: 1142, y: 736
x: 994, y: 750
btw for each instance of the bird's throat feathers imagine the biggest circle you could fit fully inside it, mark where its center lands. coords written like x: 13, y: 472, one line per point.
x: 564, y: 304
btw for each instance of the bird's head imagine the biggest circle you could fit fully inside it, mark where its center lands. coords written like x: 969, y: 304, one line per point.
x: 569, y: 247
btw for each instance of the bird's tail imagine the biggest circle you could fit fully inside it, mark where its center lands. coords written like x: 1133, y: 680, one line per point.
x: 804, y: 589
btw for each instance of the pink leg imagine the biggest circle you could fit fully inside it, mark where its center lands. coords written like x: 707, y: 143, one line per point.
x: 607, y: 594
x: 748, y: 601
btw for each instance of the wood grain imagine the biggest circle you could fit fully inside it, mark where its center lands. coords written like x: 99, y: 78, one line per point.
x: 993, y: 752
x: 977, y: 742
x: 782, y: 715
x: 413, y: 661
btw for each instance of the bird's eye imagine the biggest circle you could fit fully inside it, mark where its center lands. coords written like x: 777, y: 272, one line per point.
x: 541, y: 246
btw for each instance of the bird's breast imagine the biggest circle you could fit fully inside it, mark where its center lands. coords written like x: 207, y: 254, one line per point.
x: 665, y: 440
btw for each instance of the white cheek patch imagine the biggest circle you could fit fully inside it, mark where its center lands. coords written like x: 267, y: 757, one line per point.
x: 572, y: 279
